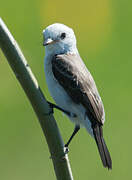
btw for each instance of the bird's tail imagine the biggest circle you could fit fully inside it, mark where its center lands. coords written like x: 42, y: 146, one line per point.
x: 103, y: 150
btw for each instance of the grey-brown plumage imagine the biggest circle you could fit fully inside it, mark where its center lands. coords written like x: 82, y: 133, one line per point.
x: 72, y: 86
x: 73, y: 76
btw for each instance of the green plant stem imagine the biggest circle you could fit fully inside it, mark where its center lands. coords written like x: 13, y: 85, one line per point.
x: 30, y: 85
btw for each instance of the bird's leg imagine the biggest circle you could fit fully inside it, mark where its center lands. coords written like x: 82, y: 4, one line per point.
x: 76, y: 129
x: 52, y: 106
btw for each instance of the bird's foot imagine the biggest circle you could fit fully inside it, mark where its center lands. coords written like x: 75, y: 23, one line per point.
x: 66, y: 149
x: 51, y: 108
x: 51, y: 111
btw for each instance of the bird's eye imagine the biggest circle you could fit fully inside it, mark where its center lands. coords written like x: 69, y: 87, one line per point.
x: 63, y: 35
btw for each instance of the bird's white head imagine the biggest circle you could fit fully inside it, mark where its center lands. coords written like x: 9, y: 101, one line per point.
x: 59, y: 39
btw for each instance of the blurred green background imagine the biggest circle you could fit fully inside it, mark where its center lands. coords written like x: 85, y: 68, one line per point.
x: 103, y: 30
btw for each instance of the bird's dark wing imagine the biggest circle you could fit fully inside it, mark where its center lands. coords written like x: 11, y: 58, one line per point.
x: 73, y: 76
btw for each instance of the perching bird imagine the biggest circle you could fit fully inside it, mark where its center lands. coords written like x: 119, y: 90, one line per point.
x: 72, y: 86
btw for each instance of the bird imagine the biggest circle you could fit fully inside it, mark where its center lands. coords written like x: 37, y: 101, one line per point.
x: 72, y: 86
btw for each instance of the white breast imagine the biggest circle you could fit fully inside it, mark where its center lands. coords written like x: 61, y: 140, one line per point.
x: 57, y: 92
x: 63, y: 100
